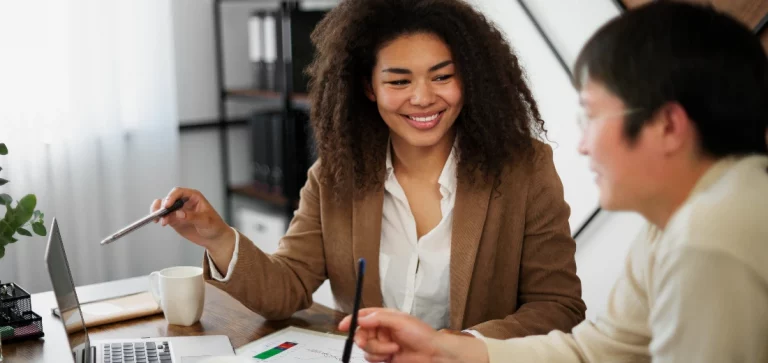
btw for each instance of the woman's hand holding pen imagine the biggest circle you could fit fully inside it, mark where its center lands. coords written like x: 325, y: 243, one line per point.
x: 198, y: 222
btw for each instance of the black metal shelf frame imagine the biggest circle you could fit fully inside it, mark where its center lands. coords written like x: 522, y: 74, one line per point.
x: 206, y: 125
x: 222, y: 108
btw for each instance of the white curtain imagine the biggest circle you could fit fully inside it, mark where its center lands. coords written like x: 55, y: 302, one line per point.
x: 88, y: 112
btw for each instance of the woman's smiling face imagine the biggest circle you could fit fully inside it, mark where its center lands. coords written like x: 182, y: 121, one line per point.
x: 417, y: 89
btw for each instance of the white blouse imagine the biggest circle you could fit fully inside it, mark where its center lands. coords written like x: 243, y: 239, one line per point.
x: 415, y: 273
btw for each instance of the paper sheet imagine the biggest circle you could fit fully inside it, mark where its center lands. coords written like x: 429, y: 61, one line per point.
x: 299, y: 345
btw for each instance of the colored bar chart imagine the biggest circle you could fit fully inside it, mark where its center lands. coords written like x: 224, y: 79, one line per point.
x: 275, y: 351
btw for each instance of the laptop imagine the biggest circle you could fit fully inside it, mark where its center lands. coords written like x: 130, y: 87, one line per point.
x: 138, y: 350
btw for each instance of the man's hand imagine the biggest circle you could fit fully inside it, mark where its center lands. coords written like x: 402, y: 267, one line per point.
x: 391, y: 336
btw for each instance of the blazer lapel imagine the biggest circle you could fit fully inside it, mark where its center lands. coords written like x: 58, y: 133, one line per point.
x: 469, y: 213
x: 366, y: 241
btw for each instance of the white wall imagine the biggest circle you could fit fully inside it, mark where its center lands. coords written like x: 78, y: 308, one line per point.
x: 600, y: 256
x: 601, y: 249
x: 569, y: 23
x: 557, y: 100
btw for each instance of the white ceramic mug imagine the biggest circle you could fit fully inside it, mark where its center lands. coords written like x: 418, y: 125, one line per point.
x: 180, y: 292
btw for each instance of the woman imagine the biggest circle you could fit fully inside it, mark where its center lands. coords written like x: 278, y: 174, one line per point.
x: 429, y: 168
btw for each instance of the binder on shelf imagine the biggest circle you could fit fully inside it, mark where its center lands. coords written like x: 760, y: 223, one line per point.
x: 267, y: 56
x: 256, y: 49
x: 271, y: 52
x: 272, y: 170
x: 276, y: 175
x: 297, y: 162
x: 262, y: 146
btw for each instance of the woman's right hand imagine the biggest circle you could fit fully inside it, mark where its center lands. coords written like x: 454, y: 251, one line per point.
x: 196, y: 220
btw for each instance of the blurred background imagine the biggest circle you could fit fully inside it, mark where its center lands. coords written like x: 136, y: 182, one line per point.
x: 106, y: 105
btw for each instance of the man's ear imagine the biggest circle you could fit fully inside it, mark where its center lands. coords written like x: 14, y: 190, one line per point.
x: 677, y: 127
x: 369, y: 90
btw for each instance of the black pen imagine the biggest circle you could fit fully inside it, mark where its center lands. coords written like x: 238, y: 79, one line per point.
x: 353, y: 325
x: 162, y: 212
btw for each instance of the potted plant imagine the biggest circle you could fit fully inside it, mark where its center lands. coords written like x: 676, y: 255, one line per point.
x: 19, y: 218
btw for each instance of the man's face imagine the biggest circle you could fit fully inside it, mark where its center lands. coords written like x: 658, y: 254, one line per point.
x: 626, y: 173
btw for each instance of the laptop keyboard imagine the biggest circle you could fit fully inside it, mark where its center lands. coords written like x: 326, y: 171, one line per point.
x: 149, y: 352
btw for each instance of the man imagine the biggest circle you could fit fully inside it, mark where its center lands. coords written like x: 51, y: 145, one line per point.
x: 676, y: 109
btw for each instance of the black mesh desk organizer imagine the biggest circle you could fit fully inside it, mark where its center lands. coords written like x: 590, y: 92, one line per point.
x: 17, y: 320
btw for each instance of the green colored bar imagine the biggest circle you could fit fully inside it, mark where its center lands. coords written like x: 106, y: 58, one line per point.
x: 268, y: 354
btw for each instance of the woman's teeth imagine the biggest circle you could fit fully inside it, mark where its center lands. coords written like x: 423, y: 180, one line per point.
x: 425, y: 119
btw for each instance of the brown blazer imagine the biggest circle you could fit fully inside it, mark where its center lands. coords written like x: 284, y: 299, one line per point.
x: 512, y: 262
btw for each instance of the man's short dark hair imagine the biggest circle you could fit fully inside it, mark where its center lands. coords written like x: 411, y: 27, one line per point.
x: 702, y: 59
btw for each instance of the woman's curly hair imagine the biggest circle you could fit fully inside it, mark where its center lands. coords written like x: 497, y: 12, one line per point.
x: 496, y: 126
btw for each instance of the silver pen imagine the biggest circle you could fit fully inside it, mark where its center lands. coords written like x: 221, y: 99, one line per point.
x: 141, y: 222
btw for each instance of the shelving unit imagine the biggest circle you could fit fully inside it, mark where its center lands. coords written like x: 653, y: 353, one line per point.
x: 292, y: 106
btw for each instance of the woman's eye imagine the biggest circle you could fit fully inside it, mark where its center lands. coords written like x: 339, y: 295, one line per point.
x: 444, y: 77
x: 401, y: 82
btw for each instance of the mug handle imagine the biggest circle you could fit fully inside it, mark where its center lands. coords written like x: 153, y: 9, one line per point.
x: 154, y: 286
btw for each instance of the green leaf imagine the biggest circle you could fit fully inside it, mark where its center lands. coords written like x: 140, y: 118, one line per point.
x: 40, y: 218
x: 36, y: 215
x: 2, y: 251
x: 24, y: 210
x: 28, y: 203
x: 3, y: 181
x: 4, y: 240
x: 9, y: 214
x: 6, y: 229
x: 5, y: 199
x: 3, y: 149
x: 39, y: 229
x: 23, y: 232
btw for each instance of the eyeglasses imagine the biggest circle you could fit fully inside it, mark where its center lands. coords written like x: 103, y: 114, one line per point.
x: 584, y: 121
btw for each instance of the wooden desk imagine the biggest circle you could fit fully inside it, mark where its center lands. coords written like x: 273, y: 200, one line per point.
x: 223, y: 315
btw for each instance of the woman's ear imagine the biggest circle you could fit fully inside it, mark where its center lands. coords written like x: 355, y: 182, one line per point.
x: 369, y: 91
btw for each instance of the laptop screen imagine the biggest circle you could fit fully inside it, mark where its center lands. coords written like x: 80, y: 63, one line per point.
x: 66, y: 297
